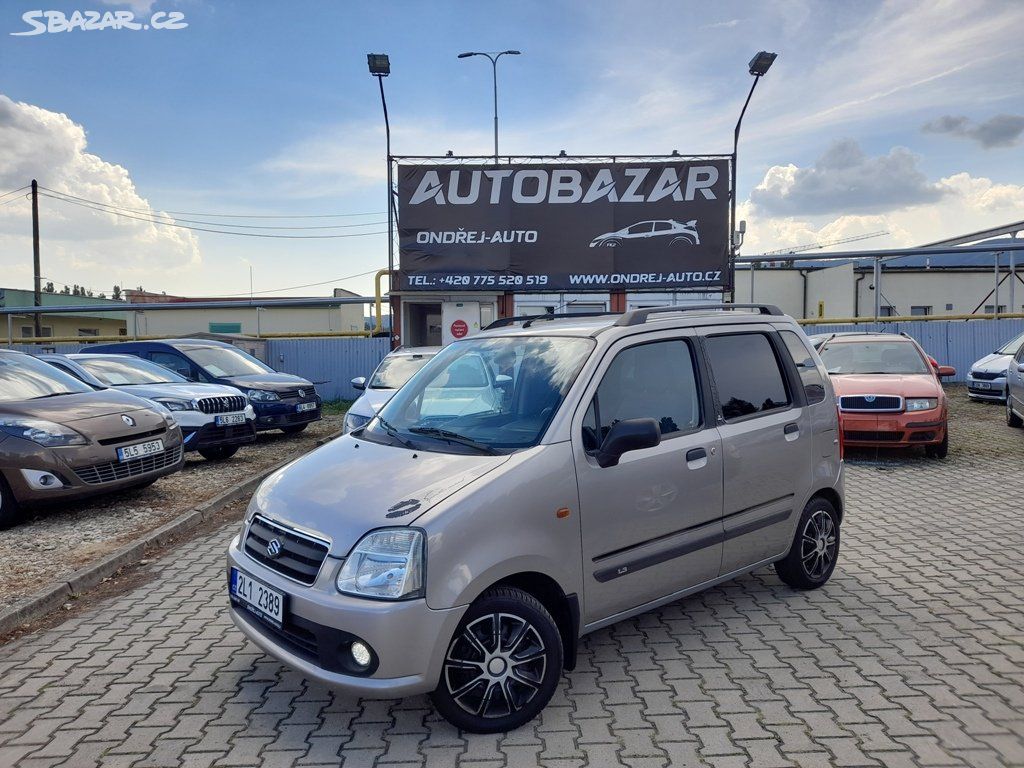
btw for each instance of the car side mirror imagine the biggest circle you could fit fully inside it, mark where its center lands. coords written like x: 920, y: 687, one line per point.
x: 946, y: 370
x: 502, y: 379
x: 359, y: 382
x: 628, y: 435
x: 1020, y: 367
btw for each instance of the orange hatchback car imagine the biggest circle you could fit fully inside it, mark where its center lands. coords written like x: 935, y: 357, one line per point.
x: 888, y: 391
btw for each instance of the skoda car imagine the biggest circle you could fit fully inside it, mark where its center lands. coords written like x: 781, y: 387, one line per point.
x: 281, y: 400
x: 60, y: 439
x: 388, y: 377
x: 677, y: 232
x: 987, y: 378
x: 888, y: 390
x: 215, y: 420
x: 461, y: 546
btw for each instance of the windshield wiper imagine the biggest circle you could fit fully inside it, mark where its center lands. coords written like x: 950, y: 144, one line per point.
x: 392, y: 432
x: 453, y: 437
x: 52, y: 394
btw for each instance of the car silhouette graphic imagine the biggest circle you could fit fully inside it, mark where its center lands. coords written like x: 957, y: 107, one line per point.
x: 680, y: 233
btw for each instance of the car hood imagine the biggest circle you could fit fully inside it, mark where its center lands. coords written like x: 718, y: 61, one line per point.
x: 371, y: 401
x: 994, y: 363
x: 272, y: 381
x: 350, y: 486
x: 67, y: 409
x: 904, y: 385
x: 183, y: 391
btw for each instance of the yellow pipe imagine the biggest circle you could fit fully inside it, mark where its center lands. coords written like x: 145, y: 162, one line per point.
x: 379, y: 327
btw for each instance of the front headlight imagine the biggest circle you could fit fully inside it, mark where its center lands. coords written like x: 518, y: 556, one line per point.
x: 354, y: 421
x: 45, y: 433
x: 921, y: 404
x: 386, y: 564
x: 174, y: 404
x: 262, y: 396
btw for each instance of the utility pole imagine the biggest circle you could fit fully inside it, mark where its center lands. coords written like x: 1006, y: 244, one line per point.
x: 37, y: 297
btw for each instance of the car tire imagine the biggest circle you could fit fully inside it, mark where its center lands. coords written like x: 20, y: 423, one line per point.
x: 939, y: 451
x: 1012, y: 419
x: 814, y: 552
x: 10, y: 510
x: 294, y: 430
x: 614, y: 242
x: 218, y: 452
x: 681, y: 239
x: 480, y: 698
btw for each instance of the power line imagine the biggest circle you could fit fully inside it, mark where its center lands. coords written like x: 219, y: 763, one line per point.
x: 226, y: 215
x: 307, y: 285
x: 149, y: 220
x: 13, y: 192
x: 13, y: 200
x: 160, y: 218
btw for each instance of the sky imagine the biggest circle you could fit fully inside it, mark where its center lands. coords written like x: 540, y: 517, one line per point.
x: 903, y: 117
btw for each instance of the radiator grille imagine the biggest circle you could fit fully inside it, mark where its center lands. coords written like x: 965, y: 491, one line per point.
x: 224, y: 404
x: 112, y: 471
x: 300, y: 556
x: 871, y: 403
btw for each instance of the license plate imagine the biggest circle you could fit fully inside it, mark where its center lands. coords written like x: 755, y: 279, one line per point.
x: 140, y: 450
x: 303, y: 407
x: 258, y: 597
x: 229, y: 418
x: 982, y: 385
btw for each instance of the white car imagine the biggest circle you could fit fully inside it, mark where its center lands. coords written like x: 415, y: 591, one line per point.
x: 678, y: 232
x: 215, y: 420
x: 987, y: 378
x: 389, y: 376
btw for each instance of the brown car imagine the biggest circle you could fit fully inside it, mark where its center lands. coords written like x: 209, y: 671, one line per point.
x: 60, y: 439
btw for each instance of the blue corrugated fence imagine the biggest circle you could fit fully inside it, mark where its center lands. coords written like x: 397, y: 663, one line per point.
x: 331, y: 364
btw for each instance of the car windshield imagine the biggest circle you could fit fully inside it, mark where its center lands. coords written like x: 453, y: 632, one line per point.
x: 846, y: 357
x: 483, y: 395
x: 25, y: 378
x: 220, y: 362
x: 1011, y: 347
x: 394, y: 371
x: 116, y: 372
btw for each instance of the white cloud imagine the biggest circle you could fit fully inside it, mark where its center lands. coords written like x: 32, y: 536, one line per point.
x: 79, y: 245
x: 997, y: 131
x: 138, y: 6
x: 847, y: 180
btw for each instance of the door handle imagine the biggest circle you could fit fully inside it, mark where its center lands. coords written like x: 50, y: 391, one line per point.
x: 791, y: 431
x: 696, y: 458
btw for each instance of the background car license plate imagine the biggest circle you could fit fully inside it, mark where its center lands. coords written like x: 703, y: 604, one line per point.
x: 258, y: 597
x: 982, y: 385
x: 229, y: 418
x: 140, y: 450
x: 305, y: 407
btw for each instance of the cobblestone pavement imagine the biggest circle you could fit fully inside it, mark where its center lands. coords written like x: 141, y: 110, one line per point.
x: 913, y: 655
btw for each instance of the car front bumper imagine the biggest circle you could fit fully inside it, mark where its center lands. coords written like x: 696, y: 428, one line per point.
x: 893, y: 430
x: 87, y: 470
x: 211, y: 436
x: 408, y: 639
x: 285, y: 413
x: 986, y: 389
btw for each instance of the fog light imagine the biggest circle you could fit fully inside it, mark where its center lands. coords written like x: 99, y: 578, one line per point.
x: 41, y: 481
x: 360, y: 654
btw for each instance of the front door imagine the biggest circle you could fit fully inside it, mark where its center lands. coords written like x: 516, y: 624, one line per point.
x: 651, y: 524
x: 766, y: 442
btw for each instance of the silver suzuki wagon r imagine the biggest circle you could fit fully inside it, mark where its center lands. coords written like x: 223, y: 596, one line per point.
x: 537, y: 482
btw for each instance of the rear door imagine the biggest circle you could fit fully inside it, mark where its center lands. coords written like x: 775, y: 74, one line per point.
x: 766, y: 438
x: 651, y: 525
x: 1015, y: 382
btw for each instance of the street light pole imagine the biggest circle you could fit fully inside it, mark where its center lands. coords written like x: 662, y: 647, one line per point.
x: 380, y: 67
x: 494, y: 71
x: 758, y: 66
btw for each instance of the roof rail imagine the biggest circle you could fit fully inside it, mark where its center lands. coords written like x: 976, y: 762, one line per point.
x: 639, y: 316
x: 526, y: 320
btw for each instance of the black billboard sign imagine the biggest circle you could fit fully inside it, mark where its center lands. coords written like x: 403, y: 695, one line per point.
x: 554, y: 227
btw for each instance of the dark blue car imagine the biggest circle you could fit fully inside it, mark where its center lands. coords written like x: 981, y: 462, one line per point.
x: 281, y: 400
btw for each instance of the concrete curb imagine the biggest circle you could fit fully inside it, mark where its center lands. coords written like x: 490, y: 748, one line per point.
x: 49, y: 598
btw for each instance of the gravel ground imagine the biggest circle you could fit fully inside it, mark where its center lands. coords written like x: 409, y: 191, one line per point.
x: 56, y: 541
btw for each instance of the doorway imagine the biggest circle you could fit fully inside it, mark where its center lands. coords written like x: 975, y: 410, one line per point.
x: 424, y: 324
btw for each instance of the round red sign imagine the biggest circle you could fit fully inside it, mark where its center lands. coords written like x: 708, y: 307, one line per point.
x: 459, y: 329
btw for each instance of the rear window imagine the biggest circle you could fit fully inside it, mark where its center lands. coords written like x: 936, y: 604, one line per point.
x: 810, y: 377
x: 747, y: 374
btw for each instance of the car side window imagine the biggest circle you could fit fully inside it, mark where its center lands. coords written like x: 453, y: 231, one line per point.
x: 662, y: 226
x: 173, y: 362
x: 747, y: 374
x: 639, y: 229
x: 810, y: 376
x: 656, y: 380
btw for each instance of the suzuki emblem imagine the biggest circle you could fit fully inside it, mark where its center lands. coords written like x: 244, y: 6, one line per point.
x: 274, y: 548
x: 127, y: 419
